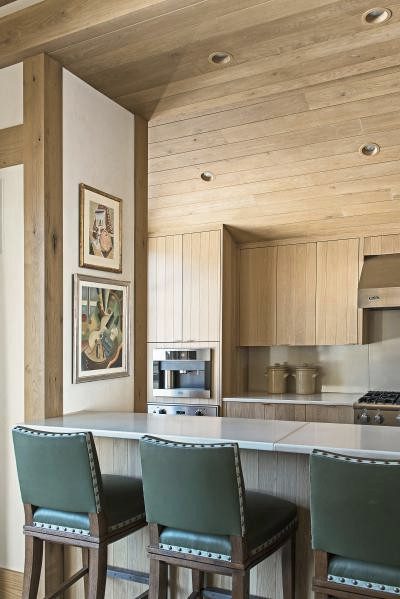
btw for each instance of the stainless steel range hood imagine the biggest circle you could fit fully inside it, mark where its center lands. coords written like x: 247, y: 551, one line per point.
x: 379, y: 285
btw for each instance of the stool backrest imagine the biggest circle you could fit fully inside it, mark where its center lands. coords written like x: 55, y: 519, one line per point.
x: 58, y: 471
x: 193, y: 487
x: 354, y: 507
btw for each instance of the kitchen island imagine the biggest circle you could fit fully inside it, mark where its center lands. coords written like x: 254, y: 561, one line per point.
x: 275, y: 456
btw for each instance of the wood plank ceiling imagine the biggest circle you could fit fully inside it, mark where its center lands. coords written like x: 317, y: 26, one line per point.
x: 280, y: 126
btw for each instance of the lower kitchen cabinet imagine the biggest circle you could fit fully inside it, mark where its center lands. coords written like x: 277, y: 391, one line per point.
x: 290, y: 411
x: 338, y: 414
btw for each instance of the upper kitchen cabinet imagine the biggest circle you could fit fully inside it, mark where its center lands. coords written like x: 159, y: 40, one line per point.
x: 296, y: 288
x: 165, y: 289
x: 381, y: 244
x: 258, y: 296
x: 184, y: 281
x: 201, y: 308
x: 336, y: 300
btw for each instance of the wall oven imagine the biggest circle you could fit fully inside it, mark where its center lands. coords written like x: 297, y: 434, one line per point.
x: 182, y: 373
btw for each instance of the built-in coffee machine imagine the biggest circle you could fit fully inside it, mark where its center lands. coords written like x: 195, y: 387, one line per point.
x: 182, y: 373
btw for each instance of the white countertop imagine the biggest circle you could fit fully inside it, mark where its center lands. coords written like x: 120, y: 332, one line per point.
x: 328, y: 399
x: 264, y: 435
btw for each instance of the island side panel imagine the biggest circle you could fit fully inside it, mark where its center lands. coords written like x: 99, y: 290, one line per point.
x: 282, y: 474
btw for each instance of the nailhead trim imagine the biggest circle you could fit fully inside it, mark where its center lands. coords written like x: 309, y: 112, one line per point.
x: 188, y: 550
x: 357, y: 460
x: 165, y: 442
x: 375, y: 586
x: 77, y: 531
x: 126, y: 522
x: 291, y: 526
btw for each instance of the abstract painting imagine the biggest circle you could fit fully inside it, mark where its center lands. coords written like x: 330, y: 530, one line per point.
x: 101, y: 328
x: 100, y: 230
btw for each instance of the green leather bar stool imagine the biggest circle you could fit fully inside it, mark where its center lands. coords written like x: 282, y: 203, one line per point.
x: 68, y: 501
x: 354, y: 516
x: 201, y: 517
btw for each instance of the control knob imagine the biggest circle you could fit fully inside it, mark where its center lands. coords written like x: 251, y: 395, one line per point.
x: 378, y: 418
x: 364, y: 418
x: 199, y: 413
x: 162, y: 411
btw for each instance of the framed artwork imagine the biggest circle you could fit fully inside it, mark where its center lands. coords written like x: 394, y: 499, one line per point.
x: 101, y: 329
x: 100, y: 225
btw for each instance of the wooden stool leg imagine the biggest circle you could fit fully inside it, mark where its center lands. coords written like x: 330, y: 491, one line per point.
x: 85, y: 564
x: 158, y: 584
x: 197, y: 581
x: 97, y: 572
x: 288, y: 568
x: 241, y: 585
x: 33, y: 566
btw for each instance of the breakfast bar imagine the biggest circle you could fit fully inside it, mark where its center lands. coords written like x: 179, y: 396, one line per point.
x: 275, y: 458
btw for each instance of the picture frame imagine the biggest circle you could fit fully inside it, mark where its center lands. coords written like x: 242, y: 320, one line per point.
x: 100, y: 230
x: 101, y: 338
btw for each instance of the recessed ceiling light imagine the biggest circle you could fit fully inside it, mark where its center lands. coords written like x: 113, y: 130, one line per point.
x: 220, y: 58
x: 370, y: 149
x: 377, y: 16
x: 207, y: 176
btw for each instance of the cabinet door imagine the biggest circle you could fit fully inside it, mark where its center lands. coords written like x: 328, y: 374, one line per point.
x: 285, y: 411
x: 258, y: 296
x: 381, y: 244
x: 296, y: 289
x: 201, y: 308
x: 337, y: 284
x: 165, y: 289
x: 338, y: 414
x: 237, y: 409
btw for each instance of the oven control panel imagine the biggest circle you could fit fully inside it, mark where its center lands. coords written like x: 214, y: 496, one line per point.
x: 182, y: 409
x: 376, y: 416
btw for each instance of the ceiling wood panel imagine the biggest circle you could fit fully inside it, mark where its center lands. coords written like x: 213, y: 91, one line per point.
x: 280, y: 126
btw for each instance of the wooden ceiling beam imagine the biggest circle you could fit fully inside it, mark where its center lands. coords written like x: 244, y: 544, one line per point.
x: 55, y: 24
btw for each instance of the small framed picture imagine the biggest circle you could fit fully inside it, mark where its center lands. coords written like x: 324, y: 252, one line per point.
x: 100, y: 225
x: 101, y: 329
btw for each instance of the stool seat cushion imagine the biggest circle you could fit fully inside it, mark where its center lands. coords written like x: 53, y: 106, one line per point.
x: 123, y: 505
x: 266, y: 517
x: 358, y: 573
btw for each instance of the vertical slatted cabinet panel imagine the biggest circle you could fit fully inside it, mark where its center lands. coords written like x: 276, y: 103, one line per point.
x: 337, y: 284
x: 201, y: 303
x: 258, y: 296
x: 165, y: 289
x: 381, y: 244
x: 296, y: 289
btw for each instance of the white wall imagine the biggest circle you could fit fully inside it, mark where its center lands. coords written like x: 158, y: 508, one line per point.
x: 11, y: 96
x: 347, y: 368
x: 11, y: 325
x: 98, y: 151
x: 12, y: 361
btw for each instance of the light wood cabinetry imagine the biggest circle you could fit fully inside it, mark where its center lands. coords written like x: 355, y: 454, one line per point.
x: 258, y: 296
x: 381, y: 244
x: 290, y: 411
x: 296, y: 289
x: 338, y: 414
x: 201, y: 277
x: 165, y: 289
x: 184, y: 281
x: 336, y: 299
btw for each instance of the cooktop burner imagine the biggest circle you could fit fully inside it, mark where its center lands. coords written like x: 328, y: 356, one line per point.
x: 381, y: 397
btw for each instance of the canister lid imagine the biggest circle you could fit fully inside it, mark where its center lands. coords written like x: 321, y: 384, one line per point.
x: 278, y: 366
x: 306, y: 367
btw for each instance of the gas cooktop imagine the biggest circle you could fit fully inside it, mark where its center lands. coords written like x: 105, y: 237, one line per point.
x: 381, y: 398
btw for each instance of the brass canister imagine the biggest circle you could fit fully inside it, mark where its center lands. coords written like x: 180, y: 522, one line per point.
x: 277, y: 376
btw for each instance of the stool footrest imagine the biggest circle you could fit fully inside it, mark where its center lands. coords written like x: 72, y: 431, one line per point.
x: 125, y: 574
x: 216, y: 593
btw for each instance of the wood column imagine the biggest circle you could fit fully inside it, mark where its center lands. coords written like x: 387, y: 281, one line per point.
x: 43, y: 237
x: 140, y: 265
x: 43, y: 205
